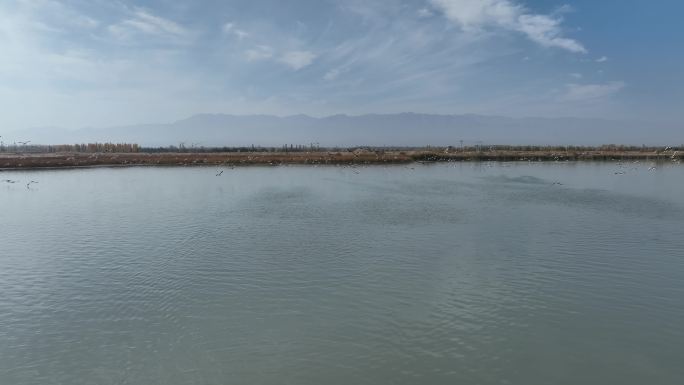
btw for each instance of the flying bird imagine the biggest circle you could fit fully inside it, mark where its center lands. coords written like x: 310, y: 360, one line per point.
x: 28, y: 185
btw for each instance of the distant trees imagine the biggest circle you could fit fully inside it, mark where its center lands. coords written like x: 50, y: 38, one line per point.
x: 78, y: 147
x: 26, y: 147
x: 312, y: 147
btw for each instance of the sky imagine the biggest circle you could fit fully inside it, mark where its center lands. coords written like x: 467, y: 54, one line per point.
x: 82, y: 63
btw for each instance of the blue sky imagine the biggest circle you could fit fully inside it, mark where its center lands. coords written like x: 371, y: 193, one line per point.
x: 78, y: 63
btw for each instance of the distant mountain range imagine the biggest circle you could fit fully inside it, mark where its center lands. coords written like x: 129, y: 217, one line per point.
x: 404, y: 129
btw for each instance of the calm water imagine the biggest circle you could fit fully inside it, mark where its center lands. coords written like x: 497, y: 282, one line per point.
x: 446, y: 274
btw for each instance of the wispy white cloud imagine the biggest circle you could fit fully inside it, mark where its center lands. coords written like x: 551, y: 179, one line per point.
x: 56, y: 67
x: 27, y: 38
x: 141, y: 21
x: 545, y: 31
x: 477, y: 15
x: 335, y: 73
x: 584, y: 92
x: 297, y: 59
x: 576, y: 75
x: 260, y: 52
x: 565, y: 8
x: 602, y: 59
x: 266, y: 43
x: 231, y: 29
x: 332, y: 74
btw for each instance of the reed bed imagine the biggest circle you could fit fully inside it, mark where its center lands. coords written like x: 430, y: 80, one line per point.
x: 359, y: 156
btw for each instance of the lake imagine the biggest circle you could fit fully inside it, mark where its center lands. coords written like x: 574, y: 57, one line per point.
x: 464, y: 273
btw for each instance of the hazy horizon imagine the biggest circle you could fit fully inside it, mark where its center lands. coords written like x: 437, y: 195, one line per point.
x: 327, y: 116
x: 404, y: 129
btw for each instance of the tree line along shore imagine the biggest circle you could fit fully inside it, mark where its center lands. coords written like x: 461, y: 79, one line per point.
x: 133, y: 155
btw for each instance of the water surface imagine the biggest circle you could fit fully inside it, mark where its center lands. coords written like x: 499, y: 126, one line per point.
x: 472, y: 273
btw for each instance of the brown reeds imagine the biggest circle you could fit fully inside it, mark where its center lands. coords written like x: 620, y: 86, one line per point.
x: 88, y: 157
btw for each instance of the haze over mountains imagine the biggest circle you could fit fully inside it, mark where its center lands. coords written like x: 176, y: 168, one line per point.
x: 404, y: 129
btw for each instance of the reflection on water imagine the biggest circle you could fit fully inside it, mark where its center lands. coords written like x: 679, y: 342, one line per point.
x: 471, y: 273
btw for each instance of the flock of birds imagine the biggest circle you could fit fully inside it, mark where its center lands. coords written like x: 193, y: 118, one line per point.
x: 355, y: 170
x: 10, y: 181
x: 24, y: 143
x: 622, y: 168
x: 219, y: 172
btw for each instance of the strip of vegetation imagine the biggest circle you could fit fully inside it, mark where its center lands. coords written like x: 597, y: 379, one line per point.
x: 132, y: 155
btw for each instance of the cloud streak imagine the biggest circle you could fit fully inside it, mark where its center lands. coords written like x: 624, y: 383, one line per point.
x: 258, y: 53
x: 231, y: 29
x: 297, y: 59
x: 143, y: 22
x: 587, y: 92
x: 477, y: 15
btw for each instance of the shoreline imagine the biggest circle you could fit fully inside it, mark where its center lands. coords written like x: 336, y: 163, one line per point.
x: 20, y: 161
